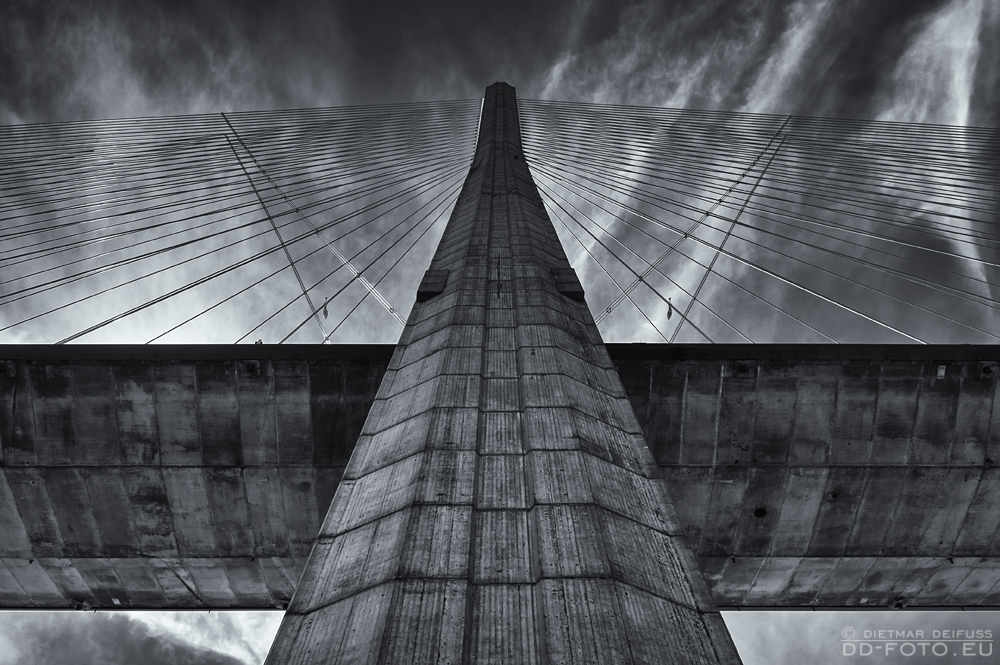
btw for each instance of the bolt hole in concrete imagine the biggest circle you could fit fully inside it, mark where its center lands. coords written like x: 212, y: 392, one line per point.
x: 760, y: 512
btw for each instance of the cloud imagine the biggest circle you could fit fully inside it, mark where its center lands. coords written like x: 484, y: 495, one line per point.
x: 70, y: 61
x: 106, y: 638
x: 895, y: 59
x: 62, y: 61
x: 792, y: 638
x: 925, y: 60
x: 783, y: 66
x: 245, y: 635
x: 933, y: 80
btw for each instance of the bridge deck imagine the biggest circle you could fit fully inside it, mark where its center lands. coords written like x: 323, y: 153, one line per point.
x: 197, y: 476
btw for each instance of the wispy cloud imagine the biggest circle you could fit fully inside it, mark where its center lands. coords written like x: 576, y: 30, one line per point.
x: 891, y: 59
x: 792, y: 638
x: 245, y: 635
x: 784, y: 65
x: 108, y: 638
x: 897, y: 60
x: 933, y: 81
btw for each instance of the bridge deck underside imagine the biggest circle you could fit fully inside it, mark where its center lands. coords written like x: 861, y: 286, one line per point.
x: 193, y: 477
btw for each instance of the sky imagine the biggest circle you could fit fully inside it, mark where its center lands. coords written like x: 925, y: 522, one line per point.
x: 905, y: 60
x: 136, y: 638
x: 930, y: 61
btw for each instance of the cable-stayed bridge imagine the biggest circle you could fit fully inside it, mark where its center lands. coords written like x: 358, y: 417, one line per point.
x: 800, y: 475
x: 244, y: 226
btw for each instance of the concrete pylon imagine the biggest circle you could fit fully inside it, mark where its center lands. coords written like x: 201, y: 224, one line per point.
x: 501, y: 505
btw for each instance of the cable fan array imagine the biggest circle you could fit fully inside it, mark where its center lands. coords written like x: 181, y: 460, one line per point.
x: 308, y: 226
x: 286, y: 226
x: 695, y: 226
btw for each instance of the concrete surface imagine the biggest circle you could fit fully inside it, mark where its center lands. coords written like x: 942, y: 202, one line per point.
x: 149, y: 481
x: 500, y: 505
x: 78, y: 526
x: 830, y: 476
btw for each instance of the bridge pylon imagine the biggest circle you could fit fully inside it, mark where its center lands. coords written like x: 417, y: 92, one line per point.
x: 501, y: 505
